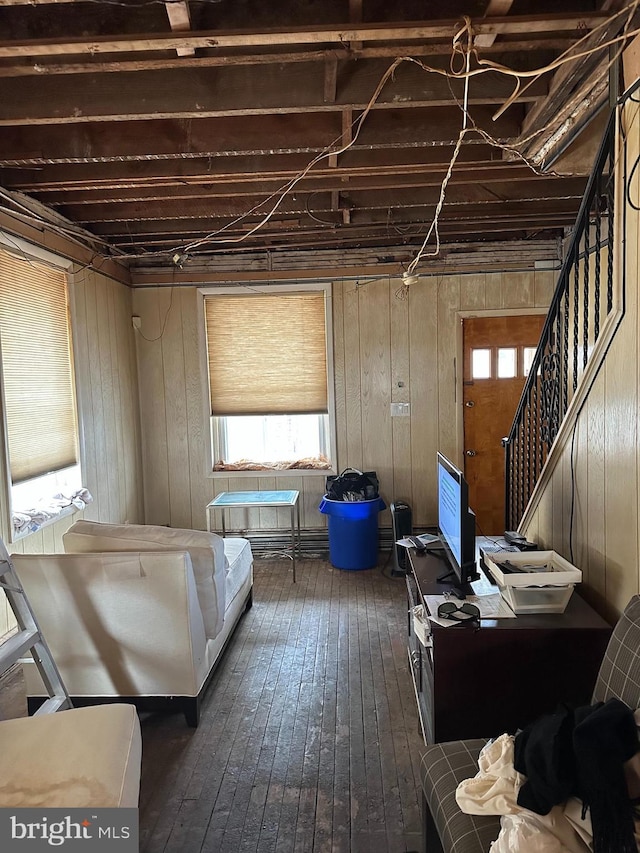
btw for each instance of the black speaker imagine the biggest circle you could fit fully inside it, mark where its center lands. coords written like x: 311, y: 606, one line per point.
x: 401, y: 520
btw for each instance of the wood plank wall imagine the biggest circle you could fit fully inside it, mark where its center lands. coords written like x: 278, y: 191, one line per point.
x: 590, y: 509
x: 106, y: 380
x: 386, y: 349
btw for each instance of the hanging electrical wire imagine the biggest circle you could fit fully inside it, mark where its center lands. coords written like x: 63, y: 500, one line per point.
x: 462, y: 49
x: 462, y: 46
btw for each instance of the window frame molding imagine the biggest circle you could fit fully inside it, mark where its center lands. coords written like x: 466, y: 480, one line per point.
x: 268, y: 289
x: 15, y: 245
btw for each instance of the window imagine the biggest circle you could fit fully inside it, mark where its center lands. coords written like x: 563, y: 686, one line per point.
x: 528, y: 355
x: 38, y: 386
x: 481, y: 363
x: 507, y: 362
x: 268, y: 372
x: 501, y: 362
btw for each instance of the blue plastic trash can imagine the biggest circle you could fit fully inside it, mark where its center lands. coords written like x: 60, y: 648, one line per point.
x: 353, y: 532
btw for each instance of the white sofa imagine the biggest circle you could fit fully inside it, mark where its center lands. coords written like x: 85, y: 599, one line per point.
x: 83, y: 757
x: 137, y: 613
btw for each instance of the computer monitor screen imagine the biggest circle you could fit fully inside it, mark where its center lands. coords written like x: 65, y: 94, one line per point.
x: 456, y: 521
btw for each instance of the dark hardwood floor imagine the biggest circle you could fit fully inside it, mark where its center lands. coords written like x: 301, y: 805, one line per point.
x: 309, y: 736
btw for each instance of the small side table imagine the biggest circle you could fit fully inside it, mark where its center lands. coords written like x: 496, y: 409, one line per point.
x: 245, y: 500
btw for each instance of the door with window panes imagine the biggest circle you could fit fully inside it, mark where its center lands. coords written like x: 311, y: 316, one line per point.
x: 498, y: 352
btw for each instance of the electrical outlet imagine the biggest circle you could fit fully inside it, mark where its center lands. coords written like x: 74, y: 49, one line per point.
x: 400, y: 410
x: 136, y: 321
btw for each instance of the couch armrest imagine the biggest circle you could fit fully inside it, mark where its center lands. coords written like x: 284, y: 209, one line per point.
x: 118, y: 624
x: 442, y: 768
x: 205, y: 549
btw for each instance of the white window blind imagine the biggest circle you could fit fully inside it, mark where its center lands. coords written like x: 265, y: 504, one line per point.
x: 37, y: 368
x: 267, y: 354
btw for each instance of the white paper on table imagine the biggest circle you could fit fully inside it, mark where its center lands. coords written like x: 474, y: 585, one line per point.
x: 491, y: 606
x: 427, y: 539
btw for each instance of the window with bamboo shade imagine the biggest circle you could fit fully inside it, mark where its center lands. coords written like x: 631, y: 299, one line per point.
x: 267, y: 363
x: 37, y: 372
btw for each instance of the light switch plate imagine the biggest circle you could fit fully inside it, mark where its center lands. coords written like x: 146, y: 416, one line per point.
x: 400, y: 410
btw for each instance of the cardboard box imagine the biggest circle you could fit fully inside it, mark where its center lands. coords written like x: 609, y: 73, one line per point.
x: 560, y: 571
x: 536, y: 591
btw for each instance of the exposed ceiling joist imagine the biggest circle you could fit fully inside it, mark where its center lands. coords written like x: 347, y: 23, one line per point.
x: 34, y: 2
x: 407, y: 32
x: 249, y: 91
x: 495, y: 8
x: 282, y: 138
x: 92, y: 65
x: 180, y: 21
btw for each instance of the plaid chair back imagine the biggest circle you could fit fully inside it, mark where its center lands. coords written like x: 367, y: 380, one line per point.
x: 619, y: 674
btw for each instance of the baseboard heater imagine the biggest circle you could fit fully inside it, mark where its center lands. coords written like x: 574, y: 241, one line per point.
x: 312, y: 541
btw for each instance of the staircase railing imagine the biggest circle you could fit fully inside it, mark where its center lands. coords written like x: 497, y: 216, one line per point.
x: 582, y: 302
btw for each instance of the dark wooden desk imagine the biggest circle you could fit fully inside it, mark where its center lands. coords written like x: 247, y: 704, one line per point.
x: 483, y: 682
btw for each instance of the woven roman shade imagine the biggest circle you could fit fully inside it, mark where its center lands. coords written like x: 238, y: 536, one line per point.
x: 37, y: 369
x: 267, y: 354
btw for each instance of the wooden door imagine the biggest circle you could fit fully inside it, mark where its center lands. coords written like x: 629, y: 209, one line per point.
x: 497, y: 352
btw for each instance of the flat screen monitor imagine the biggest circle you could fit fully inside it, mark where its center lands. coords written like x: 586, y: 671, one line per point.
x: 456, y: 523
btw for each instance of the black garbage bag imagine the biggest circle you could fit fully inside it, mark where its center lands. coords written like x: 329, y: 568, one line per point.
x: 353, y: 485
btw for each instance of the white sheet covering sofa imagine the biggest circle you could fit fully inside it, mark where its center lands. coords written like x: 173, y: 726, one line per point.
x: 83, y: 757
x: 137, y: 613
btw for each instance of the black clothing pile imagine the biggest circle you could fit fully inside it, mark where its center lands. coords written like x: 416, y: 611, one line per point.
x: 581, y: 753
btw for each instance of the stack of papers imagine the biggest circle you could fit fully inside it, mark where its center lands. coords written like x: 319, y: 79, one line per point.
x: 427, y: 539
x: 491, y: 606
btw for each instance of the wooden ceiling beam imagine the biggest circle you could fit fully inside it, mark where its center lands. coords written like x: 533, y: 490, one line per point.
x: 355, y: 17
x: 180, y: 21
x: 330, y: 80
x: 402, y: 32
x: 360, y: 238
x: 390, y: 179
x: 576, y: 86
x: 7, y: 3
x: 511, y: 218
x: 111, y: 129
x: 396, y: 201
x: 243, y: 136
x: 245, y: 263
x: 185, y: 172
x: 271, y: 90
x: 244, y: 186
x: 98, y: 66
x: 495, y: 8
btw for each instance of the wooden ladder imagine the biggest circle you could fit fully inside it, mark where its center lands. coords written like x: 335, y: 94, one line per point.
x: 29, y: 639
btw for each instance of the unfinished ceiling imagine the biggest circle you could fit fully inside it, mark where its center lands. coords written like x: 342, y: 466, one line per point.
x: 193, y: 129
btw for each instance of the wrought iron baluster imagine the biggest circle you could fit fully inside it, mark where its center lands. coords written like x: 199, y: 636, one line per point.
x: 508, y: 515
x: 610, y: 245
x: 533, y: 402
x: 596, y: 284
x: 576, y: 314
x: 565, y: 350
x: 527, y: 450
x: 521, y: 483
x: 585, y: 294
x: 576, y: 302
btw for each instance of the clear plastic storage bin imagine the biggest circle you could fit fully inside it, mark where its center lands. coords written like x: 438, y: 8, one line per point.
x: 537, y: 591
x: 537, y: 599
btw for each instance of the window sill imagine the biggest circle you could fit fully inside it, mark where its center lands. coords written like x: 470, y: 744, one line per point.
x: 47, y: 516
x: 275, y: 472
x: 34, y: 527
